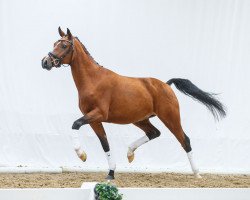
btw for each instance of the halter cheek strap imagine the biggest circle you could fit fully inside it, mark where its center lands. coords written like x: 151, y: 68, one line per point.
x: 57, y: 61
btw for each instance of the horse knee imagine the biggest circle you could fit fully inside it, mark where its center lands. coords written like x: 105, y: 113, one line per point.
x: 187, y: 146
x: 78, y: 123
x: 154, y: 134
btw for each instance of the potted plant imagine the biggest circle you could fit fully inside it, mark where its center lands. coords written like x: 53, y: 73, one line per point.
x: 106, y: 191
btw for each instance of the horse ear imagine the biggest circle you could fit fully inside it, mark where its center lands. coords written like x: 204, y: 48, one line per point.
x: 69, y: 34
x: 61, y: 33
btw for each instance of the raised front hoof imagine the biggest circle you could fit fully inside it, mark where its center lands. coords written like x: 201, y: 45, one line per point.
x: 198, y: 176
x: 130, y: 155
x: 83, y: 156
x: 76, y: 125
x: 110, y: 178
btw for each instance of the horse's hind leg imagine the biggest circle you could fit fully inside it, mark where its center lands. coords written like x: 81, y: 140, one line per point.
x: 171, y: 118
x: 151, y: 133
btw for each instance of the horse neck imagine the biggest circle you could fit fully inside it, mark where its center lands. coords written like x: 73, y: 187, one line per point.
x: 84, y: 69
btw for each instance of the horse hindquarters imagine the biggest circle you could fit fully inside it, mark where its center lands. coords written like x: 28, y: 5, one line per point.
x: 169, y: 113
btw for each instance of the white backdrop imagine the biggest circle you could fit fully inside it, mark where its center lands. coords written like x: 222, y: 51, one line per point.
x: 206, y: 41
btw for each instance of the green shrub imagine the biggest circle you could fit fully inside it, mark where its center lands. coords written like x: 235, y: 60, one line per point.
x: 106, y: 191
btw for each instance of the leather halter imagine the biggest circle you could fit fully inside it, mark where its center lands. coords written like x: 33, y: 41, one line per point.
x: 56, y: 60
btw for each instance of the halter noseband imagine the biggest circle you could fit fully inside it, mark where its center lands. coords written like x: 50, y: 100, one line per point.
x: 57, y: 61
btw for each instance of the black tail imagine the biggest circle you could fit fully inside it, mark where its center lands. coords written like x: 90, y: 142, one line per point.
x: 208, y: 99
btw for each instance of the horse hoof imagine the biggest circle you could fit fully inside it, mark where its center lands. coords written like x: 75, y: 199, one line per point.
x: 83, y: 156
x: 131, y: 158
x: 198, y: 176
x: 130, y: 155
x: 109, y: 178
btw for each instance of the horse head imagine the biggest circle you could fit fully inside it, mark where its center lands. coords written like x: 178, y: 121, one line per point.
x: 62, y: 52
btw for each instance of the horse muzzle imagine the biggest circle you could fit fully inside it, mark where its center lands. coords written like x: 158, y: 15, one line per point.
x: 47, y: 63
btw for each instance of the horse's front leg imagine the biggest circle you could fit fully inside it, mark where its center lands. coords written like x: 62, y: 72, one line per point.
x: 90, y: 117
x: 93, y: 116
x: 78, y: 149
x: 100, y: 132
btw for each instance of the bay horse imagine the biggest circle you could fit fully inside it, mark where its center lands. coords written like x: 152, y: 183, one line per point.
x: 105, y: 96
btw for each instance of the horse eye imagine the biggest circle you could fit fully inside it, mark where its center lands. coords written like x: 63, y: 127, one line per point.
x: 64, y: 46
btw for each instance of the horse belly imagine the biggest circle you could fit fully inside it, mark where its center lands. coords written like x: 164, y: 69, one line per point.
x: 130, y: 106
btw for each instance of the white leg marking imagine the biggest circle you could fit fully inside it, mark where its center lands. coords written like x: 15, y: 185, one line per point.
x: 110, y: 160
x: 138, y: 143
x: 193, y: 165
x: 77, y: 146
x: 76, y: 143
x: 134, y: 146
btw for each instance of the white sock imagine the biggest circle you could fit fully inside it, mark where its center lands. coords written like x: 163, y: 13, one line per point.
x: 111, y: 161
x: 77, y: 145
x: 192, y: 163
x: 138, y: 143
